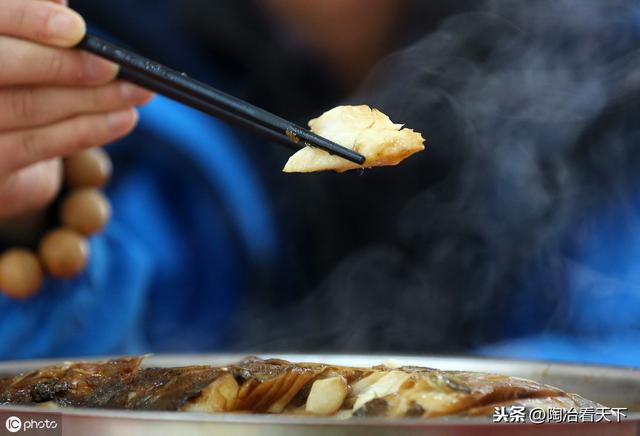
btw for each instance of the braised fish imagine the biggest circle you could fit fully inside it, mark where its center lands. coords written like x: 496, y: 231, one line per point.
x: 277, y: 386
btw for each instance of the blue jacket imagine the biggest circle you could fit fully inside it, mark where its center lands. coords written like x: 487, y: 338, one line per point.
x: 167, y: 274
x: 598, y: 319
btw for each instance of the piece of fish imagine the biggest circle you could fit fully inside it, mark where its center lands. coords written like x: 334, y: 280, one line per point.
x: 360, y: 128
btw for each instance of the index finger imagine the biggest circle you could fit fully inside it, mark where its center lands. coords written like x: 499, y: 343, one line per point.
x: 45, y: 22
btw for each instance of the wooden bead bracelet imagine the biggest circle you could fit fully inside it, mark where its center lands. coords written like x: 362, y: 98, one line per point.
x: 63, y: 252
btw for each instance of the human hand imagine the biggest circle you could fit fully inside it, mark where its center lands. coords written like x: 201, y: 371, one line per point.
x: 54, y: 101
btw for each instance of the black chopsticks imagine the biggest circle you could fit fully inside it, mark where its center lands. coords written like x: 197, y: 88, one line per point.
x: 204, y: 106
x: 180, y: 87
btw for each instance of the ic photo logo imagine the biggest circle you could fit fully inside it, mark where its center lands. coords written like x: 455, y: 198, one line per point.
x: 13, y: 424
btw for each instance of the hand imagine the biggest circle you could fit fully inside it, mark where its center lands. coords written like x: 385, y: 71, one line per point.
x: 54, y: 101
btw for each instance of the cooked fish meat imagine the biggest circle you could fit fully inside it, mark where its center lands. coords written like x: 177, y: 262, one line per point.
x: 277, y: 386
x: 71, y: 384
x: 360, y: 128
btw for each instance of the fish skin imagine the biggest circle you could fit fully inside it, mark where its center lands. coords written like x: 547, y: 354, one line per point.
x: 162, y: 389
x: 70, y: 385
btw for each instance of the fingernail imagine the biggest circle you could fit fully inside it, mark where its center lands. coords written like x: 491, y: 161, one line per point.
x: 98, y: 70
x: 66, y: 28
x: 118, y: 121
x: 133, y: 94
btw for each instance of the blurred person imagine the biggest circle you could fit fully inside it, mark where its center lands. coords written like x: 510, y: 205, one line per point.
x: 194, y: 236
x: 491, y: 237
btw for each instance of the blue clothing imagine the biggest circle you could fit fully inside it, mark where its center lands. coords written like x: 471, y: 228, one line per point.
x: 595, y: 316
x: 598, y: 320
x: 189, y: 218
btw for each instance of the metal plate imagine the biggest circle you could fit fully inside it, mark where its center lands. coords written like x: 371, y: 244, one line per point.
x: 613, y: 387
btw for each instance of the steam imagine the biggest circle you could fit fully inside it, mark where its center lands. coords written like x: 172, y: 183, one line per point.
x: 529, y: 109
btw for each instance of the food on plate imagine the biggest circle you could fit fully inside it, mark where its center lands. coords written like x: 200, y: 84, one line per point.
x: 360, y: 128
x: 277, y: 386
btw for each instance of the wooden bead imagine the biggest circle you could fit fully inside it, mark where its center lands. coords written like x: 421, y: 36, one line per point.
x: 21, y: 274
x: 64, y: 253
x: 89, y: 168
x: 85, y: 210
